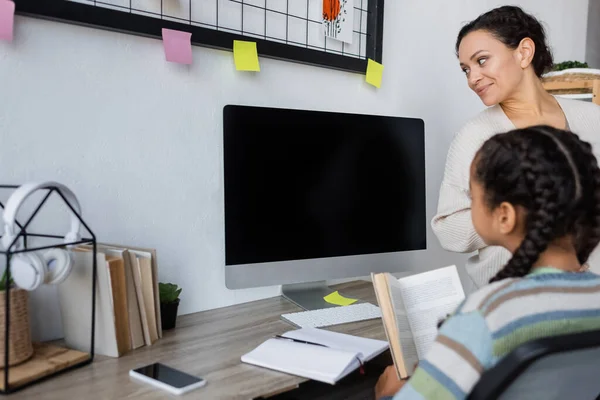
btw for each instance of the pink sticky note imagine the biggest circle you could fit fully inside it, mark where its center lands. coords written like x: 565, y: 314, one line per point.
x: 178, y: 46
x: 7, y: 19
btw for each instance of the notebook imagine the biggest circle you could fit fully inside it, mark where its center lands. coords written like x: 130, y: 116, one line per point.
x: 328, y: 357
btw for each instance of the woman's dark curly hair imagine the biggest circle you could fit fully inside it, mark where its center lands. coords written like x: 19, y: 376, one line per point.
x: 511, y: 25
x: 554, y: 177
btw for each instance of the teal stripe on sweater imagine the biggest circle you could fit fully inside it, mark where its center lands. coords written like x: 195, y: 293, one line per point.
x: 557, y: 316
x: 545, y: 281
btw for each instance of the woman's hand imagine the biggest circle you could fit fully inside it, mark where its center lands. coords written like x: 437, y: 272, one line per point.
x: 388, y: 383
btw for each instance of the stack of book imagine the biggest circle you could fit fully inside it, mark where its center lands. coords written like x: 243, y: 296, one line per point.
x: 127, y: 299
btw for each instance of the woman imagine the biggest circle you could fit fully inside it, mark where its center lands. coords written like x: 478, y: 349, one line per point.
x: 535, y: 191
x: 503, y: 54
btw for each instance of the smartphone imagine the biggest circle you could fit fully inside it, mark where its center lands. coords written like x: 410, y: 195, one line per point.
x: 167, y: 378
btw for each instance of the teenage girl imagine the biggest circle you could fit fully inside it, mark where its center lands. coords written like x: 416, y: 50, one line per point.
x: 536, y: 192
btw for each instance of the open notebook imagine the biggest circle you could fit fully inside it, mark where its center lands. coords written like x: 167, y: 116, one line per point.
x: 332, y: 356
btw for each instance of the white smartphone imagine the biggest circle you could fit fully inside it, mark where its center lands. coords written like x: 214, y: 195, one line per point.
x: 167, y: 378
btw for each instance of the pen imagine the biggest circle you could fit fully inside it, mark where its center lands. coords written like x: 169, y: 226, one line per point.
x: 362, y: 365
x: 299, y: 341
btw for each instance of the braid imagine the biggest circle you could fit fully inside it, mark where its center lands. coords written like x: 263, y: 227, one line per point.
x: 539, y: 169
x: 587, y: 225
x: 541, y: 220
x: 593, y: 232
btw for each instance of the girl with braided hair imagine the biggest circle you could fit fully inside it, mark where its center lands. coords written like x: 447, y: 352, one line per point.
x: 503, y: 54
x: 536, y: 193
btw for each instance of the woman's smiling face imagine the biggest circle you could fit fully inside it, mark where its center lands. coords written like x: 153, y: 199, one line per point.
x: 493, y: 70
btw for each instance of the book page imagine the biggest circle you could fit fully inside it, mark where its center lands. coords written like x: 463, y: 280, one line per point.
x: 407, y: 341
x: 429, y: 297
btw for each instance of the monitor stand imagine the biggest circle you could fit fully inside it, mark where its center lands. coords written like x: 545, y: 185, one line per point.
x: 309, y: 295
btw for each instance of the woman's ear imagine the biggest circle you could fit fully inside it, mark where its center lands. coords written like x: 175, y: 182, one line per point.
x: 525, y: 52
x: 505, y: 217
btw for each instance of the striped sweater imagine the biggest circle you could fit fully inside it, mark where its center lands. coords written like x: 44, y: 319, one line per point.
x: 452, y: 223
x: 495, y: 320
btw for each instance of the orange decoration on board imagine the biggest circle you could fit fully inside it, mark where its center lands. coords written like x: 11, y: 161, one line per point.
x: 331, y: 9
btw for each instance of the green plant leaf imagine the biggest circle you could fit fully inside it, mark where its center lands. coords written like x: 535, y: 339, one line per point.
x: 168, y: 292
x: 568, y: 65
x: 3, y: 280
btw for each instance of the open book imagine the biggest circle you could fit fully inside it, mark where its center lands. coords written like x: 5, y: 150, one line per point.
x: 315, y: 354
x: 411, y: 308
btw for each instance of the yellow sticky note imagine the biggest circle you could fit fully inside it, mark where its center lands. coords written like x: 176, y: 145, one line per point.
x: 338, y: 299
x: 374, y: 73
x: 245, y: 56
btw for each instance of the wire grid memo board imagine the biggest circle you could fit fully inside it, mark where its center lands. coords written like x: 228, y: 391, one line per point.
x: 284, y: 29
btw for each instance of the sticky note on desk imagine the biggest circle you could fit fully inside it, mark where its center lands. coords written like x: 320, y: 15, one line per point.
x: 245, y: 56
x: 374, y: 73
x: 337, y: 299
x: 178, y: 46
x: 7, y: 20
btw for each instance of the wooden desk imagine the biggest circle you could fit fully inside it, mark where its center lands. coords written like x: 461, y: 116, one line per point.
x: 207, y: 344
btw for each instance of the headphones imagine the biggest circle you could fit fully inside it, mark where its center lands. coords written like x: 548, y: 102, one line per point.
x: 31, y: 269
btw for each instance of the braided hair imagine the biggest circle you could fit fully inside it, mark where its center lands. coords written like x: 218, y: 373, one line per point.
x: 510, y: 25
x: 555, y: 178
x: 587, y: 234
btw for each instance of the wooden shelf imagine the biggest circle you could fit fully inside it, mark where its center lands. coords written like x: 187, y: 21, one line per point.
x: 47, y: 360
x: 589, y: 89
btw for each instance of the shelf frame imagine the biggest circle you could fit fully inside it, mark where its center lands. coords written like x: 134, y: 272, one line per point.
x: 584, y: 85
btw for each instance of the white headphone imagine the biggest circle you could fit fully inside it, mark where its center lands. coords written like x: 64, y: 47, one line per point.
x: 31, y: 269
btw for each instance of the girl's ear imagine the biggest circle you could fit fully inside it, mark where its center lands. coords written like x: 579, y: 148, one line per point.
x: 505, y: 218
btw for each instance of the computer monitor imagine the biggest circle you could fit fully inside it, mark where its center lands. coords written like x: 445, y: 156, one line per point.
x: 314, y: 195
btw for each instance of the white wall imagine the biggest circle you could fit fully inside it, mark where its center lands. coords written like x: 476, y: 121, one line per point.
x: 139, y: 139
x: 592, y: 55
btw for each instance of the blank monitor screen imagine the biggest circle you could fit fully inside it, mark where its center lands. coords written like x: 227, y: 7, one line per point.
x: 309, y: 184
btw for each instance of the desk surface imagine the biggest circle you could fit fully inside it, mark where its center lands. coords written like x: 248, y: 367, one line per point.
x: 207, y: 344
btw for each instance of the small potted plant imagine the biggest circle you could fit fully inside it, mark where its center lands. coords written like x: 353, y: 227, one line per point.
x: 169, y: 301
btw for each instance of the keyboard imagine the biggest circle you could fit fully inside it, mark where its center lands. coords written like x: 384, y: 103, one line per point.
x: 333, y: 316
